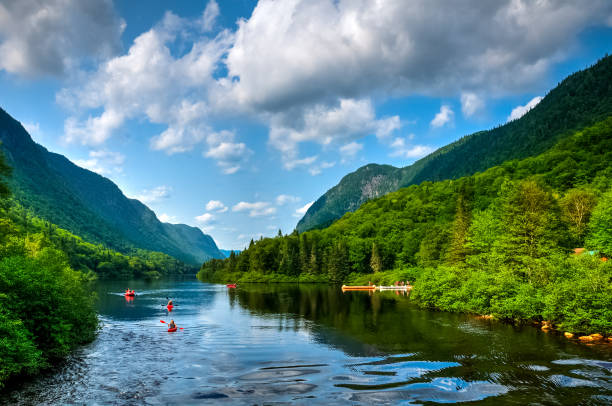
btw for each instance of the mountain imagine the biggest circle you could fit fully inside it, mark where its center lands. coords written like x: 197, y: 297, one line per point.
x: 582, y: 99
x: 90, y: 205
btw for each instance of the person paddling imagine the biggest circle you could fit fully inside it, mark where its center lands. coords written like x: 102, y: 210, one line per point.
x: 170, y: 303
x: 171, y: 325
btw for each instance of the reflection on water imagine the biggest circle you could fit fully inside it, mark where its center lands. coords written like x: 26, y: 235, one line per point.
x: 311, y: 344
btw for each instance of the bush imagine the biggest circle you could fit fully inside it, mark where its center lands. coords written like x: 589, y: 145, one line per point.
x: 47, y: 311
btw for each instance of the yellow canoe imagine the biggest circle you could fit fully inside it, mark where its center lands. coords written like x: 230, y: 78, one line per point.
x: 371, y: 287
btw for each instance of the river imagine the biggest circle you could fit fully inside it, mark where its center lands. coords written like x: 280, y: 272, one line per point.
x: 311, y: 344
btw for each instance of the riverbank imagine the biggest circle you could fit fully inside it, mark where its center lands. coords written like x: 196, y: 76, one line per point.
x: 573, y: 297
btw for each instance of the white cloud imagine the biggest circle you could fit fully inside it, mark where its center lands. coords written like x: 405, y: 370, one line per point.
x: 150, y: 82
x: 349, y: 151
x: 443, y: 117
x: 318, y: 169
x: 34, y: 130
x: 302, y: 210
x: 471, y: 104
x: 347, y: 48
x: 216, y: 205
x: 103, y: 162
x: 229, y: 155
x: 255, y: 209
x: 403, y: 149
x: 286, y: 199
x: 150, y: 196
x: 347, y: 121
x: 309, y: 70
x: 205, y: 218
x: 166, y: 218
x: 209, y: 17
x: 50, y: 37
x: 519, y: 111
x: 290, y: 164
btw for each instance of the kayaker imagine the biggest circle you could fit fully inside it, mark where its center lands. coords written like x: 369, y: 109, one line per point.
x: 170, y: 303
x: 171, y: 325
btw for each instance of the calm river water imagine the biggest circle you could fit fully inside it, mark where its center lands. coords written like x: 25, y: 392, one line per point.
x: 311, y: 345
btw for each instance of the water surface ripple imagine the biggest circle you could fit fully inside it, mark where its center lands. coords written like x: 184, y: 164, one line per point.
x: 311, y: 345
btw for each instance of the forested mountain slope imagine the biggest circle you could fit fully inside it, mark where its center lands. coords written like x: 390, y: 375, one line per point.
x: 582, y: 99
x: 91, y: 205
x: 497, y: 242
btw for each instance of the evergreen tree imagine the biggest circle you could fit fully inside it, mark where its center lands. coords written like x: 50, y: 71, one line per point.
x: 458, y: 248
x: 337, y: 262
x: 304, y: 259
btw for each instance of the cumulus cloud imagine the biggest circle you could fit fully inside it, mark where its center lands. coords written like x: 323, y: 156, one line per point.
x: 471, y: 104
x: 401, y: 148
x: 443, y: 117
x: 309, y: 69
x: 149, y: 196
x: 209, y: 17
x: 317, y: 48
x: 345, y: 122
x: 103, y: 162
x: 166, y: 218
x: 519, y: 111
x: 302, y: 210
x: 349, y: 150
x: 150, y: 82
x: 255, y: 209
x: 216, y: 205
x: 286, y: 199
x: 49, y: 37
x: 205, y: 218
x: 318, y: 169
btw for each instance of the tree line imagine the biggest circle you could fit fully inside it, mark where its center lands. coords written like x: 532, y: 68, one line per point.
x: 498, y: 242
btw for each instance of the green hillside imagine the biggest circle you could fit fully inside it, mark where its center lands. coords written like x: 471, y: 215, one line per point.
x: 496, y: 242
x: 582, y: 99
x: 90, y: 205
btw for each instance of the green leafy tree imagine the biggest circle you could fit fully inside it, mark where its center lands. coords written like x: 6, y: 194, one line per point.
x: 600, y: 226
x: 577, y: 205
x: 375, y: 260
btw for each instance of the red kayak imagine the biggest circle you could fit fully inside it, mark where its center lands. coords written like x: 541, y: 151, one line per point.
x: 231, y: 285
x: 130, y: 294
x: 172, y: 330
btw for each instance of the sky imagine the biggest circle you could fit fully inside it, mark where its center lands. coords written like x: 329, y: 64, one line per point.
x: 235, y: 115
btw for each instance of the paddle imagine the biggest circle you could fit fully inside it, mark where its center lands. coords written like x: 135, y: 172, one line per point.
x: 161, y: 321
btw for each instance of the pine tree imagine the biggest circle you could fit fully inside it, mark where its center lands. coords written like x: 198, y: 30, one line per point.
x: 458, y: 249
x: 337, y: 262
x: 303, y: 253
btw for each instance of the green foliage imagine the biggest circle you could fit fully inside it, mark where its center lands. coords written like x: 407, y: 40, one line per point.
x: 493, y: 243
x: 89, y: 205
x: 601, y: 226
x: 581, y: 100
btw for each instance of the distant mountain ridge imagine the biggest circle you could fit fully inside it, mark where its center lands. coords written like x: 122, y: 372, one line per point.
x: 91, y: 205
x: 580, y: 100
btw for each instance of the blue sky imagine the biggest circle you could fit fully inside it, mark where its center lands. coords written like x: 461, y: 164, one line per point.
x: 234, y: 115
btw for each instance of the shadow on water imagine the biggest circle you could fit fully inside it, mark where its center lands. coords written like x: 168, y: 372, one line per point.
x: 311, y: 344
